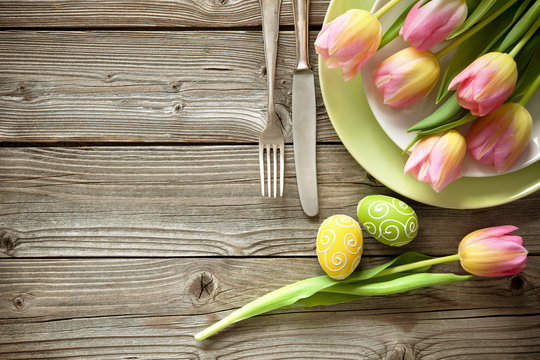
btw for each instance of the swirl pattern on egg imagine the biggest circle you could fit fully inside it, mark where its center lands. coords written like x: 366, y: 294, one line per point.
x: 339, y: 246
x: 388, y: 220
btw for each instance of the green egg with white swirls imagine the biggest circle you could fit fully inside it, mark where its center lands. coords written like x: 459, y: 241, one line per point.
x: 387, y: 219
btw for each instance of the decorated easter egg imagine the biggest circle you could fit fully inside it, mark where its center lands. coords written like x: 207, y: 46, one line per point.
x: 339, y: 246
x: 388, y: 220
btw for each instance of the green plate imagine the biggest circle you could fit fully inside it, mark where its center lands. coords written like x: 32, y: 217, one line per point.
x: 361, y: 134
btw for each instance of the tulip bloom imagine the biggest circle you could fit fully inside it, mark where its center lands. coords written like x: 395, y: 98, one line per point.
x: 500, y: 137
x: 485, y: 84
x: 493, y: 251
x: 437, y: 159
x: 349, y: 41
x: 430, y: 24
x: 406, y: 77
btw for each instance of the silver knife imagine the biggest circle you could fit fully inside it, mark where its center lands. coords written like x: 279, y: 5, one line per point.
x: 304, y: 114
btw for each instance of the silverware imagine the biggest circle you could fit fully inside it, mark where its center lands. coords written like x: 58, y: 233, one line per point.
x: 271, y: 140
x: 304, y: 114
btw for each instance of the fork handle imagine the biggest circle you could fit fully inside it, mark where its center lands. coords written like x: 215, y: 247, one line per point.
x: 270, y: 26
x: 301, y: 13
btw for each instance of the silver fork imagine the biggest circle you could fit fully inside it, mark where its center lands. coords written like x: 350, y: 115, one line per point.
x: 271, y: 140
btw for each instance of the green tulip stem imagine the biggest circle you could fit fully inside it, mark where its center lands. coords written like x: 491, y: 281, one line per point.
x: 385, y: 8
x: 418, y: 264
x: 525, y: 38
x: 530, y: 91
x: 473, y: 30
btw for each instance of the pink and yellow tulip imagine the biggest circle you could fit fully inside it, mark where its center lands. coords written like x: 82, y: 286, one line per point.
x: 500, y: 137
x: 428, y: 25
x: 486, y: 83
x: 437, y: 159
x: 406, y: 77
x: 493, y: 251
x: 349, y: 41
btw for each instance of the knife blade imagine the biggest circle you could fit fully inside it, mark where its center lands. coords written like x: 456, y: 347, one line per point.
x: 304, y: 114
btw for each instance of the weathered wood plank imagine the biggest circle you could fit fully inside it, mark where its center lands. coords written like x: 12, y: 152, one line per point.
x: 111, y: 86
x: 197, y: 201
x: 151, y: 14
x: 341, y: 335
x: 150, y: 308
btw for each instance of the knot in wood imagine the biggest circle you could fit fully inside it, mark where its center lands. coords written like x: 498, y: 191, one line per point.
x: 400, y: 352
x: 21, y: 87
x: 203, y: 287
x: 8, y: 241
x: 178, y: 107
x: 175, y: 86
x: 517, y: 284
x: 18, y: 301
x: 216, y: 3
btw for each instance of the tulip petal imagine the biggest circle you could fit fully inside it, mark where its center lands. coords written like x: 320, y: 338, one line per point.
x: 485, y: 84
x: 493, y: 252
x: 420, y: 152
x: 349, y: 41
x: 437, y: 159
x: 426, y: 26
x: 500, y: 137
x: 406, y: 77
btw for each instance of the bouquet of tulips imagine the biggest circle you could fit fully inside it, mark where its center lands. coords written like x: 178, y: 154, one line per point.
x: 487, y: 252
x: 491, y: 76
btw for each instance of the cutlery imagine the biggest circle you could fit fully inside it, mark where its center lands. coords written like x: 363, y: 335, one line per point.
x: 304, y: 114
x: 271, y: 140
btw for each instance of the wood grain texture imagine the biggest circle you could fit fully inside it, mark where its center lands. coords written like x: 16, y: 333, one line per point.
x: 150, y: 14
x: 113, y: 251
x: 150, y: 308
x: 110, y: 86
x: 199, y: 201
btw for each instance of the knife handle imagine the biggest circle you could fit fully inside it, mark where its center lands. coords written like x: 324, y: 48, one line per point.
x: 301, y: 17
x: 270, y: 27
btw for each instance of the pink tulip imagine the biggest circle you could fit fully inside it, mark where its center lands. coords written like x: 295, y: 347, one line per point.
x: 486, y: 83
x: 430, y: 24
x: 406, y: 77
x: 437, y: 159
x: 500, y: 137
x: 349, y: 41
x: 493, y: 251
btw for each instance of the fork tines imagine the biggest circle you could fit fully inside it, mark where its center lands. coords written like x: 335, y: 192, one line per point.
x: 272, y: 153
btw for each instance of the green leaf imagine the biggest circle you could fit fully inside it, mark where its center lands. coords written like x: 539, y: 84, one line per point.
x: 363, y: 275
x: 528, y: 64
x: 474, y: 17
x: 386, y: 285
x: 472, y: 4
x: 526, y: 54
x: 521, y: 26
x: 444, y: 113
x: 324, y: 298
x: 479, y: 44
x: 393, y: 31
x: 467, y: 118
x: 391, y: 284
x: 403, y: 259
x: 330, y: 297
x: 293, y: 293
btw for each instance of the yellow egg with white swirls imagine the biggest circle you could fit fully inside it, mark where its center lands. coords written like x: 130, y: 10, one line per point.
x: 339, y: 246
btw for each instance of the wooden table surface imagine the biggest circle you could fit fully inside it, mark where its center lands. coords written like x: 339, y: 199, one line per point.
x: 130, y: 207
